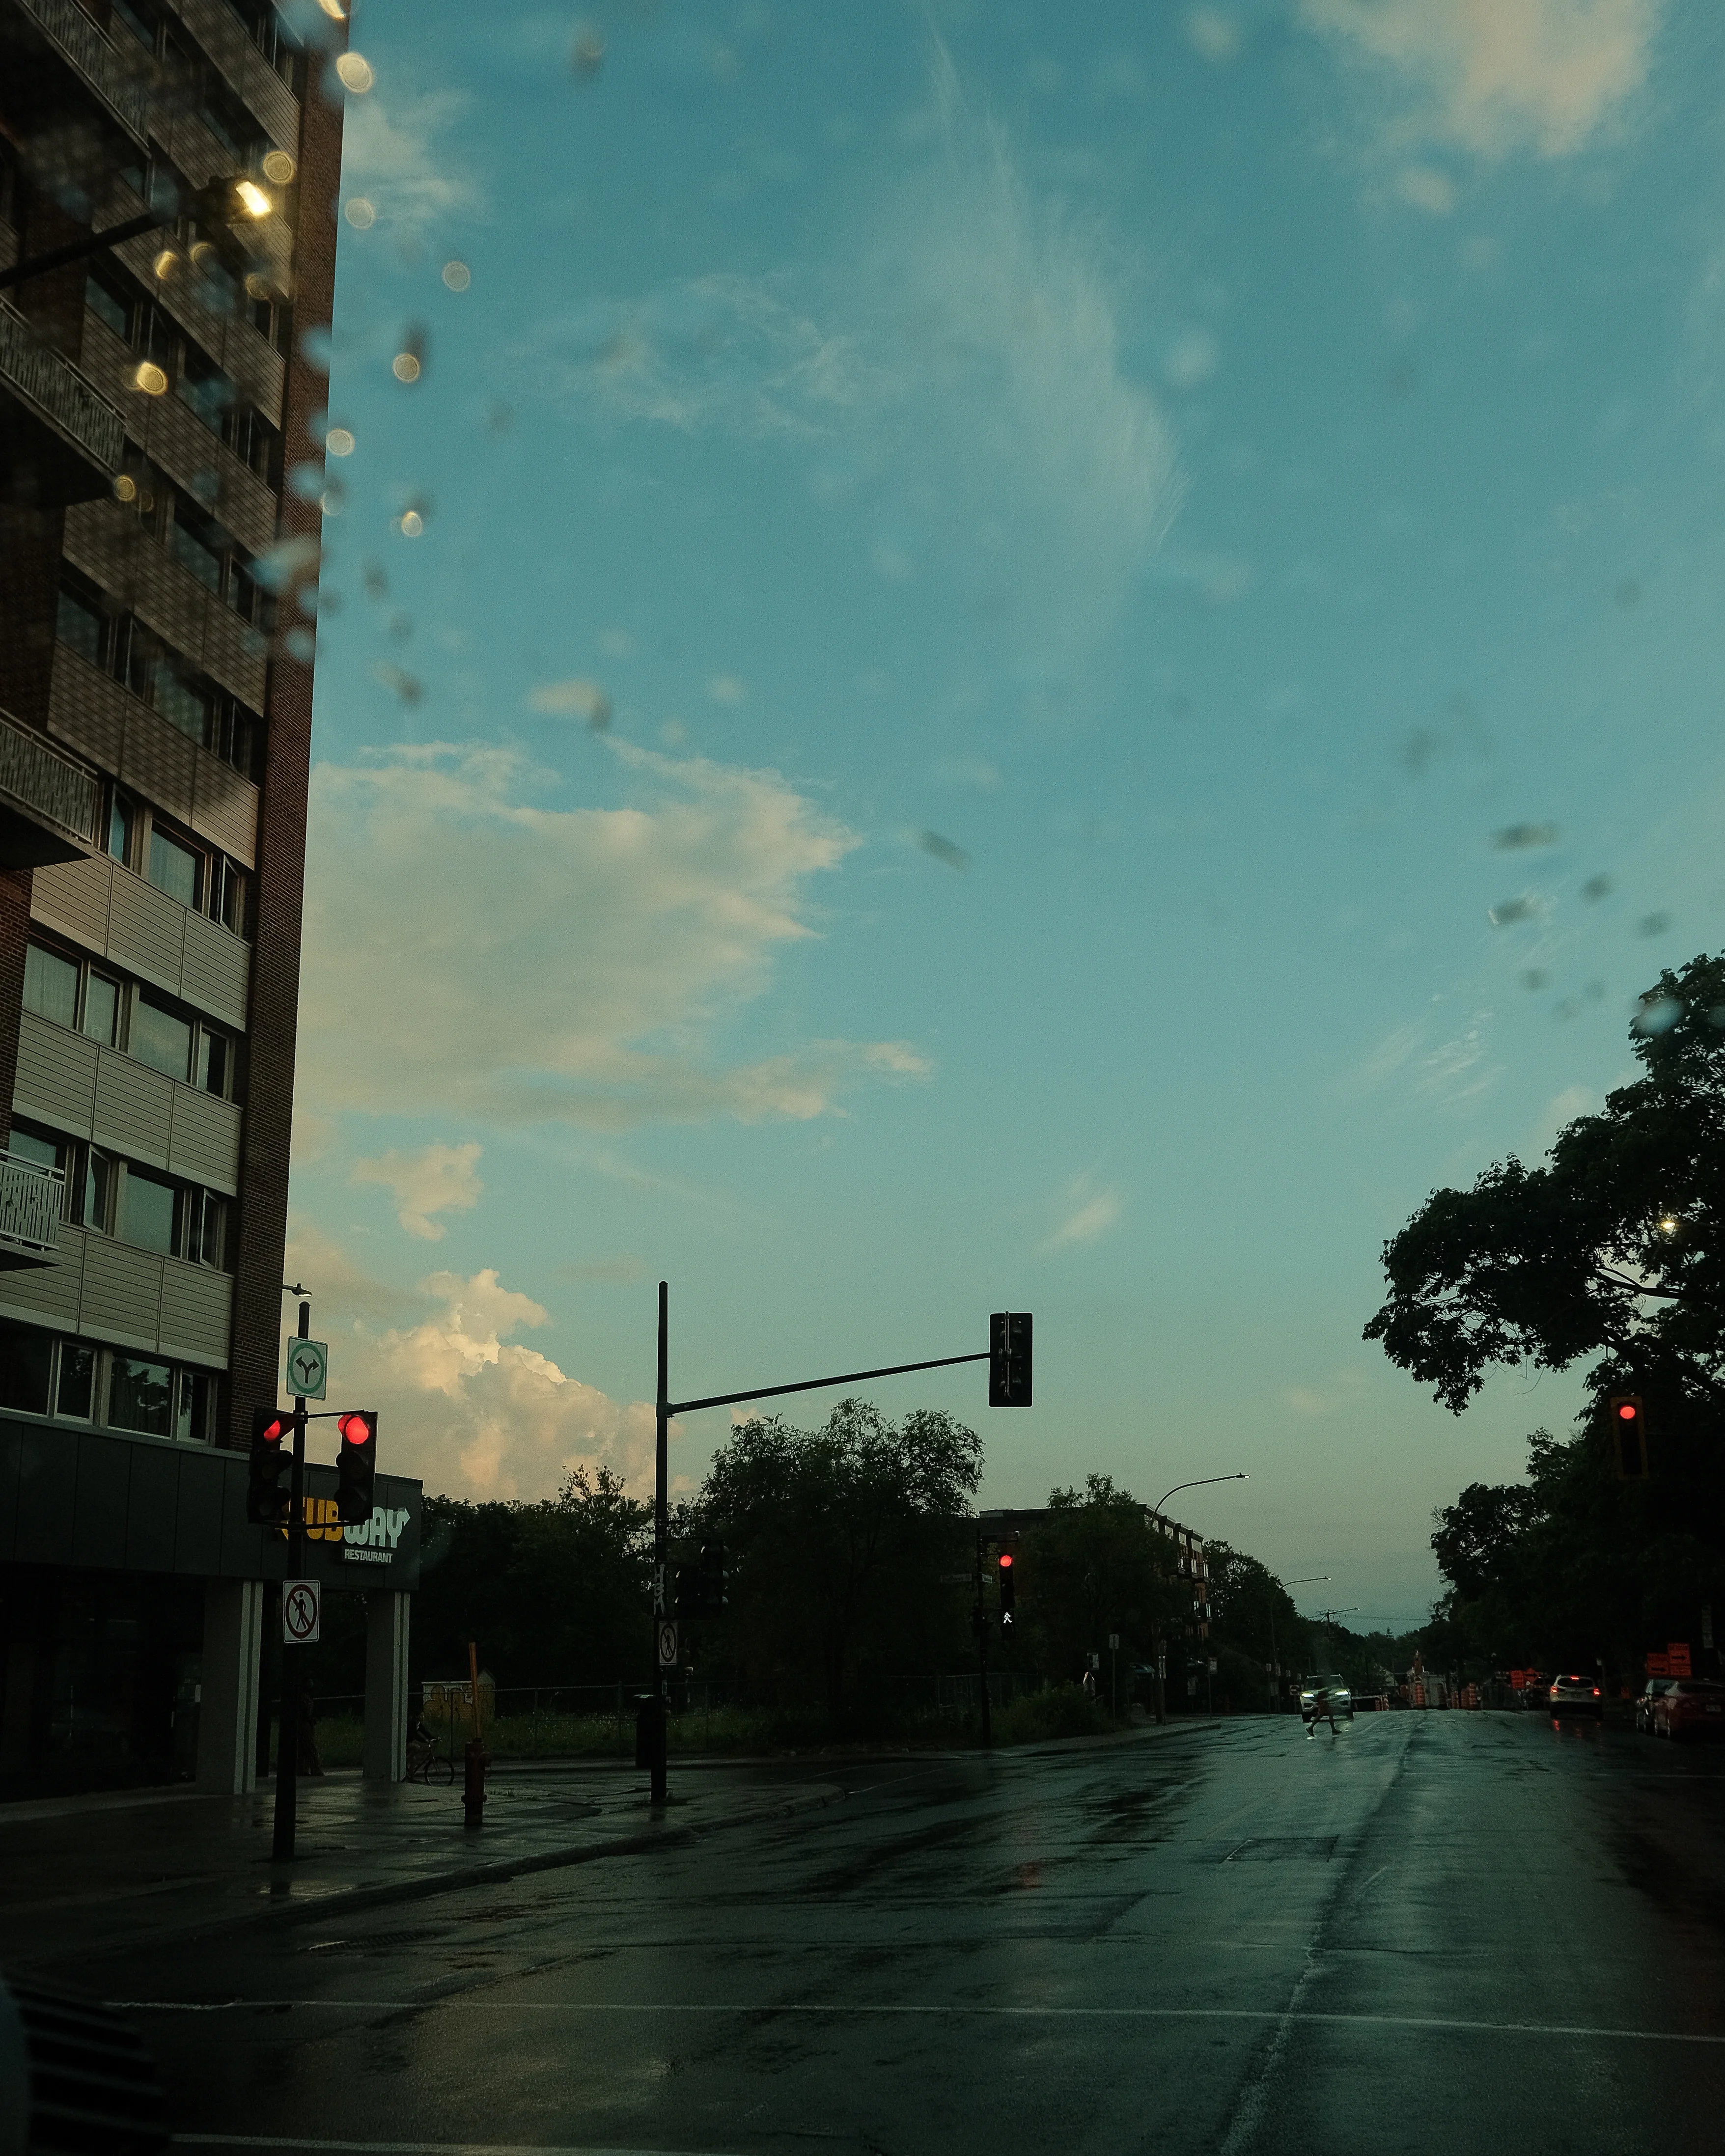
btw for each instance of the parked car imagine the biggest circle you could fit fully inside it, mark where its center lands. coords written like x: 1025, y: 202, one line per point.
x: 1692, y: 1707
x: 1657, y: 1688
x: 1341, y: 1698
x: 1575, y: 1695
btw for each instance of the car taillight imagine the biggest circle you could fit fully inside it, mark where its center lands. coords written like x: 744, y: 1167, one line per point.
x: 1596, y: 1692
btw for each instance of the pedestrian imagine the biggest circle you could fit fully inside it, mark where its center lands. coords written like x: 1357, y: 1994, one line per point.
x: 310, y: 1763
x: 1090, y: 1684
x: 1321, y: 1707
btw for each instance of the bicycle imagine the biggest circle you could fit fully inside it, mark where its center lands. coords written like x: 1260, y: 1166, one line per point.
x: 434, y: 1769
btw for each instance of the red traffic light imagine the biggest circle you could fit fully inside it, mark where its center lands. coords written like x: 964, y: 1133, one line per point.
x: 1626, y: 1412
x: 356, y: 1429
x: 273, y: 1433
x: 1006, y: 1560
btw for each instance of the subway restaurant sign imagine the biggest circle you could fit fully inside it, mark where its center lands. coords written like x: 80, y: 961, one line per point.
x: 373, y: 1543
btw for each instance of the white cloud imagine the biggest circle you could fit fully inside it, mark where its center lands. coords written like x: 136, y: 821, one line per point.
x: 957, y: 352
x: 1314, y: 1402
x: 1213, y: 33
x: 1494, y: 76
x: 463, y: 1404
x: 1427, y: 188
x: 437, y: 1179
x: 470, y: 950
x: 395, y: 152
x: 1090, y: 1215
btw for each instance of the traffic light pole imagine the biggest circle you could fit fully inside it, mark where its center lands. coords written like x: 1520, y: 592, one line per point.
x: 661, y: 1538
x: 287, y: 1761
x: 982, y: 1645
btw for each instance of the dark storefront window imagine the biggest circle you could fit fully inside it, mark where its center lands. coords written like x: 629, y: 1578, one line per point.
x: 25, y: 1359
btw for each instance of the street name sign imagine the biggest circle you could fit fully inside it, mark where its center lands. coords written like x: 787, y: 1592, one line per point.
x: 301, y: 1612
x: 308, y: 1369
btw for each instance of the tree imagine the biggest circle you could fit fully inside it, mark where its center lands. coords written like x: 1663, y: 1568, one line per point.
x: 1253, y: 1621
x: 553, y: 1593
x: 1094, y: 1566
x: 1554, y: 1264
x: 835, y: 1540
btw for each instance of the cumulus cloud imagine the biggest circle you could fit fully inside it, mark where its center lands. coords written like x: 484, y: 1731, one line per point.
x: 524, y: 961
x: 464, y: 1403
x: 437, y: 1179
x: 1495, y: 76
x: 1090, y: 1215
x: 395, y: 153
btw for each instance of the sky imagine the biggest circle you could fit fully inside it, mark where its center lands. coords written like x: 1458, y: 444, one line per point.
x: 1003, y: 657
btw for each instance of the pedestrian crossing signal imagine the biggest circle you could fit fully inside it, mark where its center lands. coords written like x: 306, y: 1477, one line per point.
x: 1010, y: 1359
x: 1009, y: 1590
x: 1629, y: 1436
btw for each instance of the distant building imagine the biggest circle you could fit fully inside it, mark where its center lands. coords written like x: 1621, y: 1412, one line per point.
x: 155, y: 737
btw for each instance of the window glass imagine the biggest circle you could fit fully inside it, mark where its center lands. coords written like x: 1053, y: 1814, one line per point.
x: 196, y: 544
x: 159, y: 1037
x: 50, y: 985
x: 137, y: 22
x: 213, y: 1059
x: 36, y: 1146
x: 202, y: 383
x: 83, y: 628
x: 227, y: 897
x: 149, y: 1212
x: 141, y: 1396
x: 173, y: 868
x: 77, y: 1380
x: 183, y: 706
x: 104, y: 302
x: 205, y: 1219
x: 26, y: 1357
x: 101, y: 1008
x: 98, y: 1190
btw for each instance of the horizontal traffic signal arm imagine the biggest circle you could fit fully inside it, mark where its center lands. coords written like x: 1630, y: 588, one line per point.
x: 817, y: 1385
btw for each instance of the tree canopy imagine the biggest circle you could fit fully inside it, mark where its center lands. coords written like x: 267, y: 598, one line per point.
x: 1094, y: 1566
x: 836, y: 1539
x: 1614, y: 1248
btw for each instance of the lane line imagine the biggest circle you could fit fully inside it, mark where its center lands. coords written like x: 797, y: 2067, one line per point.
x: 1438, y: 2023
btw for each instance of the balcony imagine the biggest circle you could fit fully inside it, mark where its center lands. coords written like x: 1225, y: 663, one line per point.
x: 71, y: 34
x: 61, y: 431
x: 49, y: 807
x: 32, y: 1200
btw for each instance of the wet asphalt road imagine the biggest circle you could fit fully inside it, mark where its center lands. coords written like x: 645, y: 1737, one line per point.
x: 1433, y: 1932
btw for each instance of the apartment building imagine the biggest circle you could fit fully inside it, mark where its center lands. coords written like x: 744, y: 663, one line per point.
x: 155, y: 730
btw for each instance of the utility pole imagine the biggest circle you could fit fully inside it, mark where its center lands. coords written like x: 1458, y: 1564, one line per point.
x: 287, y: 1761
x: 982, y: 1645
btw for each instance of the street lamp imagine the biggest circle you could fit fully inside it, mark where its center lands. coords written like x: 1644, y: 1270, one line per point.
x: 1310, y: 1579
x: 229, y: 201
x: 1201, y: 1482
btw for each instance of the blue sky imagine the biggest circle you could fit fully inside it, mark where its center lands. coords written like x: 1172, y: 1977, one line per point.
x: 1001, y: 596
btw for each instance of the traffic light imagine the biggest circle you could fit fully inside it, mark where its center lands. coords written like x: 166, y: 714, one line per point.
x: 698, y: 1590
x: 266, y: 1497
x: 1629, y: 1436
x: 1009, y: 1590
x: 1010, y: 1359
x: 355, y: 1465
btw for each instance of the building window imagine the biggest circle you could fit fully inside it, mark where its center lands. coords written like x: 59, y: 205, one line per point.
x: 198, y: 543
x: 50, y: 985
x: 100, y: 1182
x: 174, y: 868
x: 204, y: 1230
x: 82, y: 625
x: 106, y: 299
x: 140, y: 1395
x: 75, y: 1384
x: 151, y: 1206
x: 214, y: 1061
x: 26, y: 1368
x: 187, y: 705
x: 159, y: 1036
x: 196, y: 1395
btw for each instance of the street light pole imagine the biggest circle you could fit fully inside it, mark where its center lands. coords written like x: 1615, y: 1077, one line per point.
x: 661, y: 1537
x: 1311, y: 1580
x: 287, y: 1757
x: 1162, y: 1645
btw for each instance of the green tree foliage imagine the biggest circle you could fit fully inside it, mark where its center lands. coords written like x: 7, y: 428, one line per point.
x: 1253, y: 1621
x: 552, y: 1592
x: 835, y: 1540
x: 1094, y: 1566
x: 1616, y: 1247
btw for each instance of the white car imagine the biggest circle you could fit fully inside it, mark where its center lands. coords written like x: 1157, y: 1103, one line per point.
x: 1341, y: 1698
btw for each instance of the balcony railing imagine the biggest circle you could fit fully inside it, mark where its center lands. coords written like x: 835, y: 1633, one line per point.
x: 65, y: 24
x: 32, y: 1203
x: 48, y: 788
x: 60, y: 390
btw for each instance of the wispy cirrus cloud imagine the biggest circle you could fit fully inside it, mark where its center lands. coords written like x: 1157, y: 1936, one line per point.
x: 479, y: 996
x: 397, y: 153
x: 1491, y: 77
x: 1088, y: 1215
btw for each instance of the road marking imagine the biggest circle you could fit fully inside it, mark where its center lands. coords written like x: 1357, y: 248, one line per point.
x: 410, y: 2148
x: 1435, y: 2022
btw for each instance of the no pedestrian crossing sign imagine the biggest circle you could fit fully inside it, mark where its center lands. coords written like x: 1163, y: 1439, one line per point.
x: 301, y: 1612
x: 308, y: 1369
x: 668, y: 1644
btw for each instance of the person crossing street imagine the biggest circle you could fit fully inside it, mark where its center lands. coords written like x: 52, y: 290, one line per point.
x: 1321, y: 1707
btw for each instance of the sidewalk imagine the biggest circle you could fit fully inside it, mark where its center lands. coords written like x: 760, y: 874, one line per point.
x: 108, y: 1873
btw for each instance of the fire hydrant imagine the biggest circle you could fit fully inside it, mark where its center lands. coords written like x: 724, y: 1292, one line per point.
x: 472, y: 1790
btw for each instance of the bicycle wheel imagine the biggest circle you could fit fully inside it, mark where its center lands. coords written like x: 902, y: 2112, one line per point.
x: 439, y: 1772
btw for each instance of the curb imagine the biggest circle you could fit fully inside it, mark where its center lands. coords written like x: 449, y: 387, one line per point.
x: 352, y: 1900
